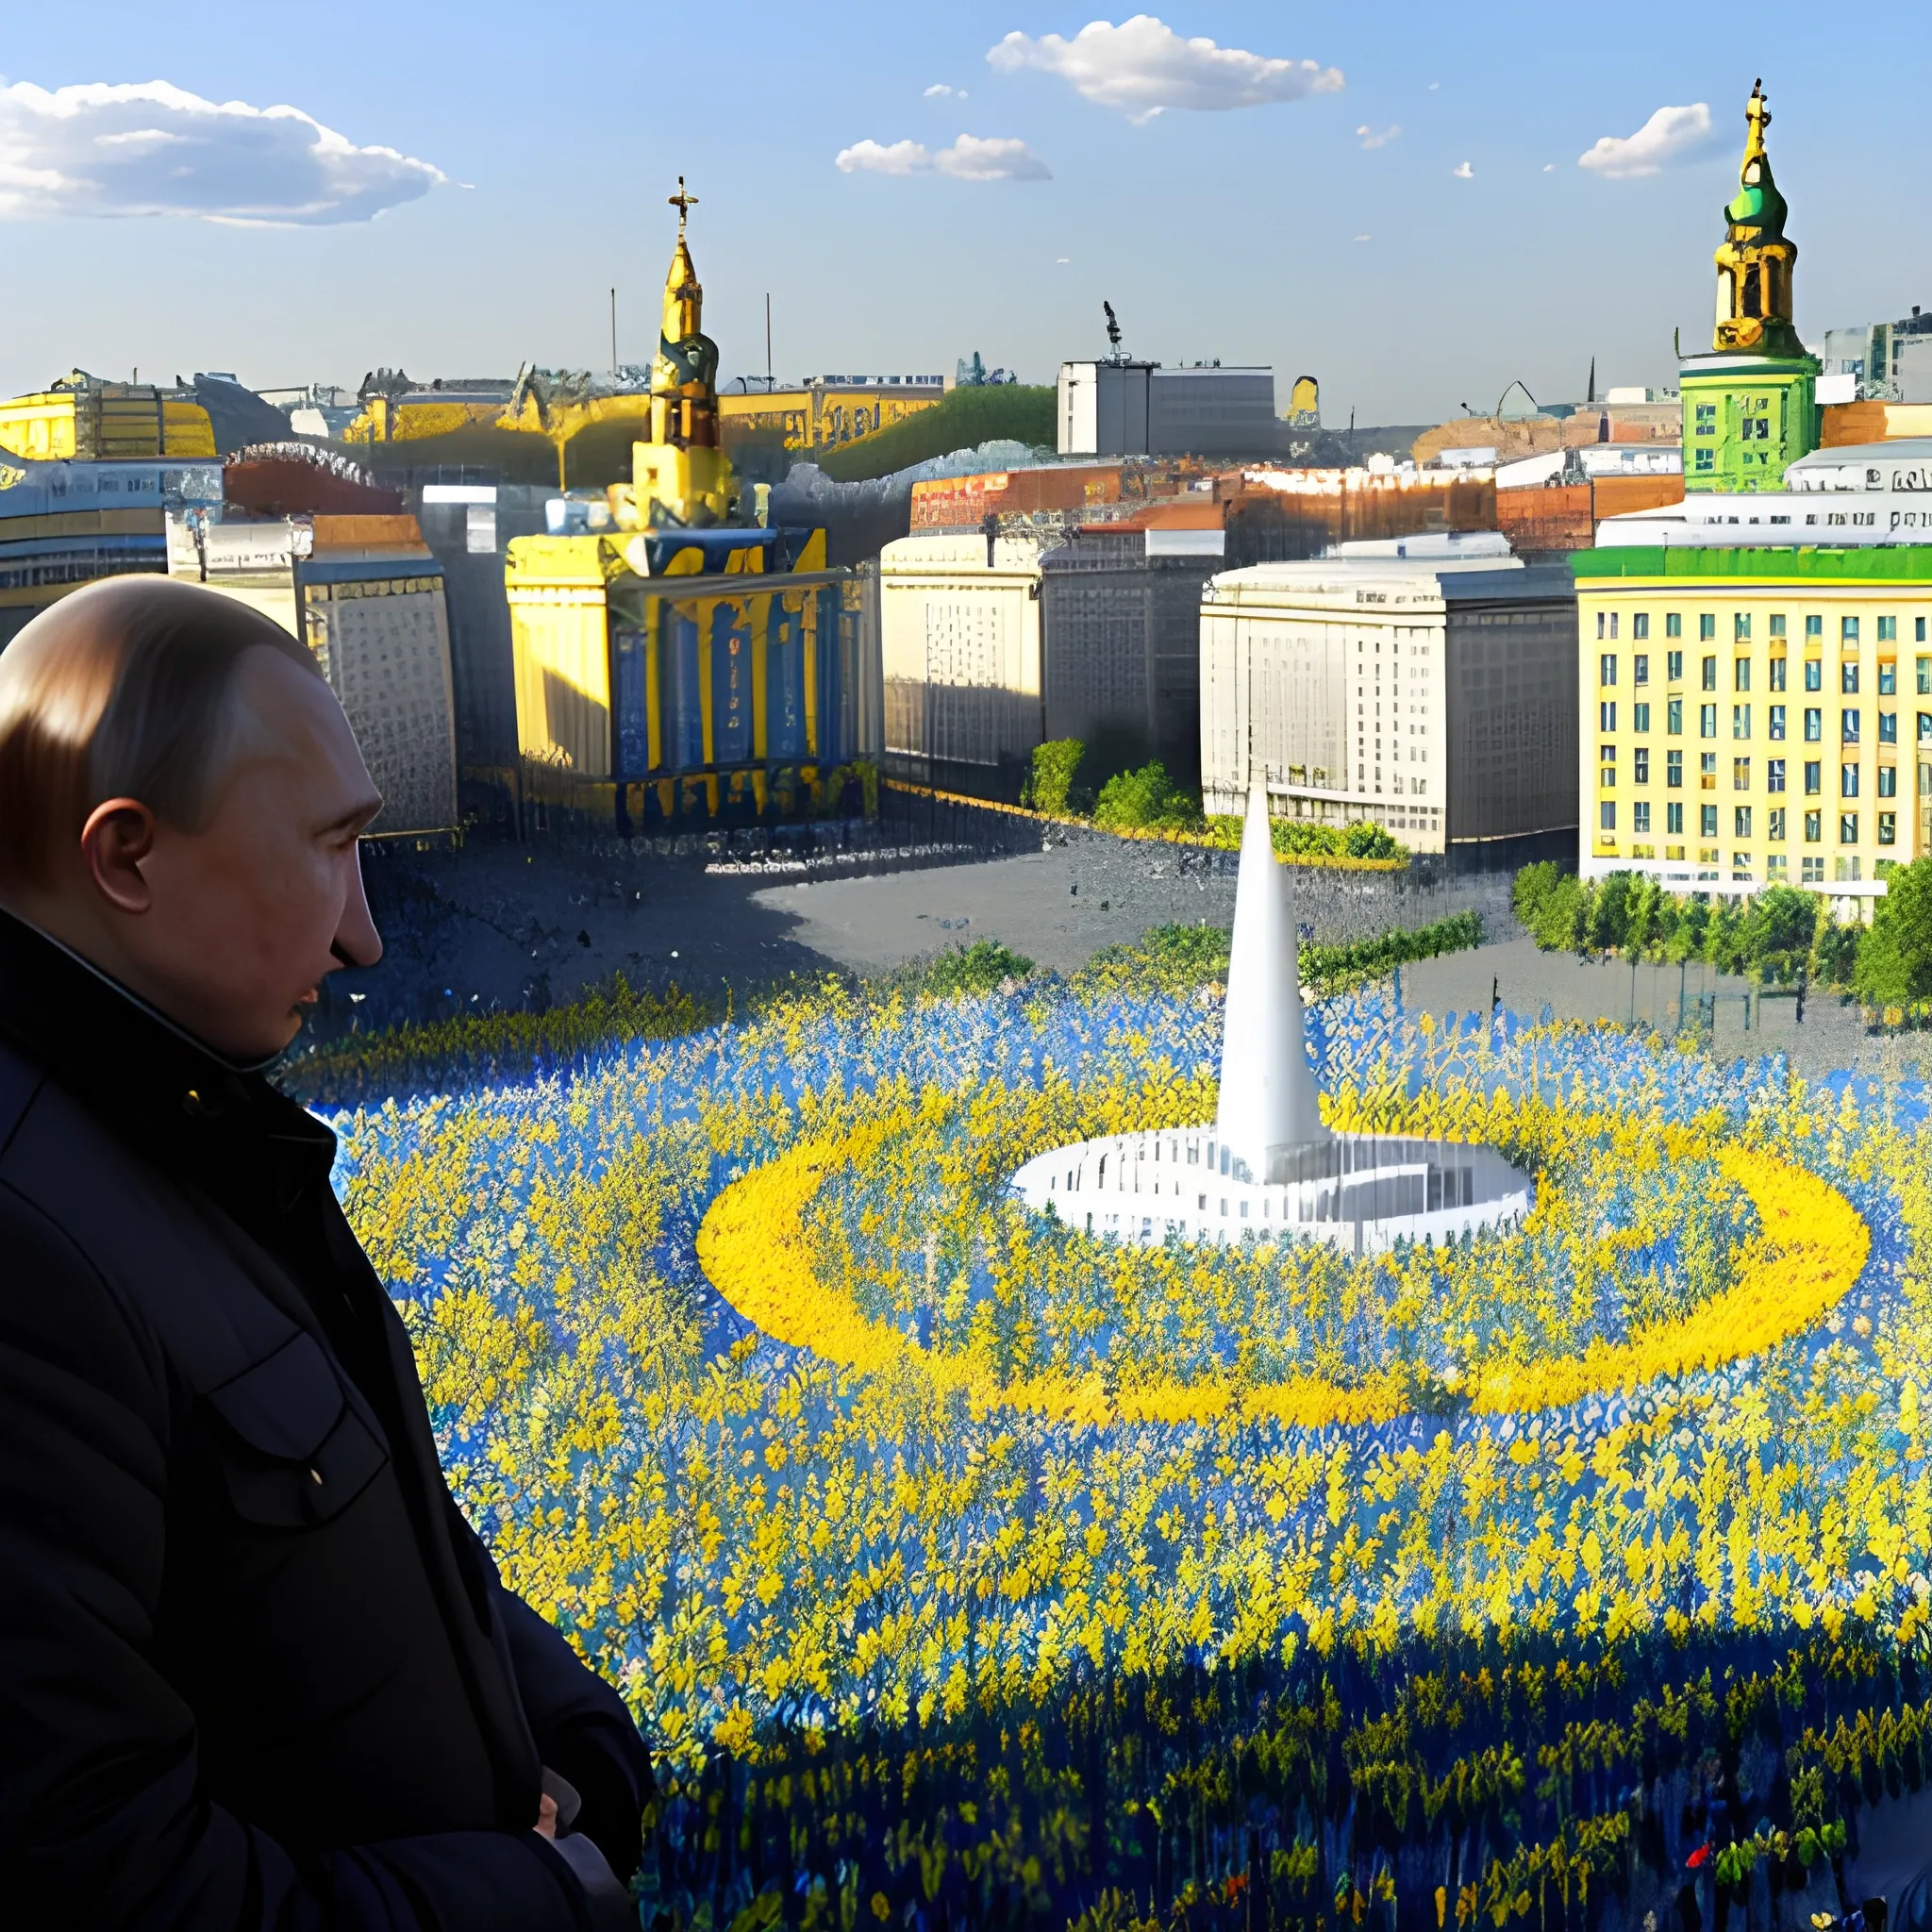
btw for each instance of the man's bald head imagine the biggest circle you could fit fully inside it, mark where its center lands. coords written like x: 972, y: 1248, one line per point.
x: 181, y: 800
x: 126, y: 688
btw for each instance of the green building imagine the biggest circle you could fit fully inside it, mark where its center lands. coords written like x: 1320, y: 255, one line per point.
x: 1751, y: 407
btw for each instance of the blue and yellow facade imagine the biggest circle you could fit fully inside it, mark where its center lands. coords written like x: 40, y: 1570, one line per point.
x: 676, y: 677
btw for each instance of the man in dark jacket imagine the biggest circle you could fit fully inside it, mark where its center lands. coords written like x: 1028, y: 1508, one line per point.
x: 255, y: 1670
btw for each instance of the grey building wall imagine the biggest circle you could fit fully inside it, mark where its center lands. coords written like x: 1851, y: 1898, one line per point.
x: 471, y: 555
x: 1511, y: 653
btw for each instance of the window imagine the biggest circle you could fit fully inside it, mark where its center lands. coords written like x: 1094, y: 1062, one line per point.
x: 1740, y: 720
x: 1848, y: 781
x: 1640, y: 765
x: 1673, y: 768
x: 1640, y: 816
x: 1774, y: 864
x: 1639, y: 668
x: 1888, y: 821
x: 1706, y: 720
x: 1777, y: 674
x: 1887, y: 781
x: 1674, y: 625
x: 1888, y: 681
x: 1606, y: 715
x: 1848, y: 679
x: 1741, y: 775
x: 1848, y: 630
x: 1706, y: 624
x: 1607, y: 667
x: 1707, y: 419
x: 1709, y: 669
x: 1640, y: 717
x: 1846, y: 867
x: 1740, y: 626
x: 1674, y: 717
x: 1814, y: 828
x: 1706, y: 820
x: 1814, y: 627
x: 1848, y: 828
x: 1888, y: 630
x: 1814, y: 674
x: 1606, y: 772
x: 1925, y: 673
x: 1848, y: 726
x: 1814, y: 872
x: 1706, y: 459
x: 1741, y: 673
x: 1639, y: 625
x: 1673, y: 819
x: 1606, y: 815
x: 1774, y: 775
x: 1777, y: 624
x: 1924, y: 726
x: 1706, y: 771
x: 1775, y: 723
x: 1774, y: 825
x: 1888, y: 728
x: 1918, y: 631
x: 1741, y: 821
x: 1814, y: 778
x: 1814, y: 724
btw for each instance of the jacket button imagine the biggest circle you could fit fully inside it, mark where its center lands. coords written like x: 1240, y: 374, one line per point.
x: 315, y: 1476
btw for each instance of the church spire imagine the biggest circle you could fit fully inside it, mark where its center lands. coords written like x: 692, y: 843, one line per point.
x: 1755, y: 263
x: 684, y: 373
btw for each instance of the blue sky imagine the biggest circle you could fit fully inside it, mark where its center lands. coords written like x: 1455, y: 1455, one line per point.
x: 1217, y: 230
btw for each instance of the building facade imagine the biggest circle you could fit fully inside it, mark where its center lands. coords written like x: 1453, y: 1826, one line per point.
x: 1141, y: 409
x: 826, y: 411
x: 1433, y: 695
x: 1755, y: 717
x: 960, y: 638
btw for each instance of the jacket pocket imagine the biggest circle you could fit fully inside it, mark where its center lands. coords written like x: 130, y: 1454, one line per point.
x: 292, y: 1451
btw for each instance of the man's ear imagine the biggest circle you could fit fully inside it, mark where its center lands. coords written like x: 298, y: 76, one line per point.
x: 117, y: 835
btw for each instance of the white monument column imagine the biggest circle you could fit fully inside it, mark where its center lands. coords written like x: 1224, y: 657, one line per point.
x: 1268, y: 1096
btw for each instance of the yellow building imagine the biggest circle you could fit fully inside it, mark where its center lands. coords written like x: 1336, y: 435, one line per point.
x: 826, y: 411
x: 1754, y: 717
x: 677, y: 664
x: 82, y: 417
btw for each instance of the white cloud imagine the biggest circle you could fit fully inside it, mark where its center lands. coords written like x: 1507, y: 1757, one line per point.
x: 1671, y: 134
x: 150, y: 148
x: 1364, y: 237
x: 869, y: 157
x: 1062, y: 260
x: 1464, y: 171
x: 1549, y: 167
x: 1143, y: 68
x: 1376, y: 136
x: 939, y: 89
x: 970, y: 158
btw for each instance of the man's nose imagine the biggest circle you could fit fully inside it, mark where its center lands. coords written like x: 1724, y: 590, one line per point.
x: 356, y: 941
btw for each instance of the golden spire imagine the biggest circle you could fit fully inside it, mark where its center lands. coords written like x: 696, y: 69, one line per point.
x: 1754, y: 264
x: 684, y: 373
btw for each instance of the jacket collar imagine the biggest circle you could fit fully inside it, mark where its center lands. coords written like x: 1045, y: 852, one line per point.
x: 133, y: 1067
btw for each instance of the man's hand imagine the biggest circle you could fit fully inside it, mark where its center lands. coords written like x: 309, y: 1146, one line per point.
x: 545, y: 1826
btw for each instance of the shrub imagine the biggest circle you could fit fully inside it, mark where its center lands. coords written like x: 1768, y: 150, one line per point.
x: 1146, y: 801
x: 1892, y: 965
x: 1303, y: 839
x: 982, y: 967
x: 1534, y: 883
x: 1049, y: 786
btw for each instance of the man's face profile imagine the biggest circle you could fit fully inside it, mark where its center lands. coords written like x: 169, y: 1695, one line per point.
x: 234, y: 927
x: 182, y: 804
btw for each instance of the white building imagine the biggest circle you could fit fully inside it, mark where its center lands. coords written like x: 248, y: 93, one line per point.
x: 959, y: 637
x: 1141, y: 409
x: 1428, y: 684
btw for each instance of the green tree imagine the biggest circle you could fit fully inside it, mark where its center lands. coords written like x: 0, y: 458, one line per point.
x: 1049, y: 785
x: 1608, y: 912
x: 1146, y: 801
x: 1892, y: 963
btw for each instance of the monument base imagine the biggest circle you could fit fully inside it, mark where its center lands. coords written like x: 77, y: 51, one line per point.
x: 1359, y: 1193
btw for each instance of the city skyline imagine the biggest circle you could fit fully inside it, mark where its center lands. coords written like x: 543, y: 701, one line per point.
x: 1415, y: 215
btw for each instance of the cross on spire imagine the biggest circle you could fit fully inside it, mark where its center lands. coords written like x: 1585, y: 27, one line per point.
x: 683, y: 201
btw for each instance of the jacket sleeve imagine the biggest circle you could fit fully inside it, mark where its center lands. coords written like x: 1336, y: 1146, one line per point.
x: 583, y: 1730
x: 101, y: 1820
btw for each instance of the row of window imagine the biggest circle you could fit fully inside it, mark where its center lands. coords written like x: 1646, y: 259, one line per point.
x: 1741, y: 820
x: 1850, y: 722
x: 1741, y: 672
x: 1848, y: 780
x: 1849, y: 628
